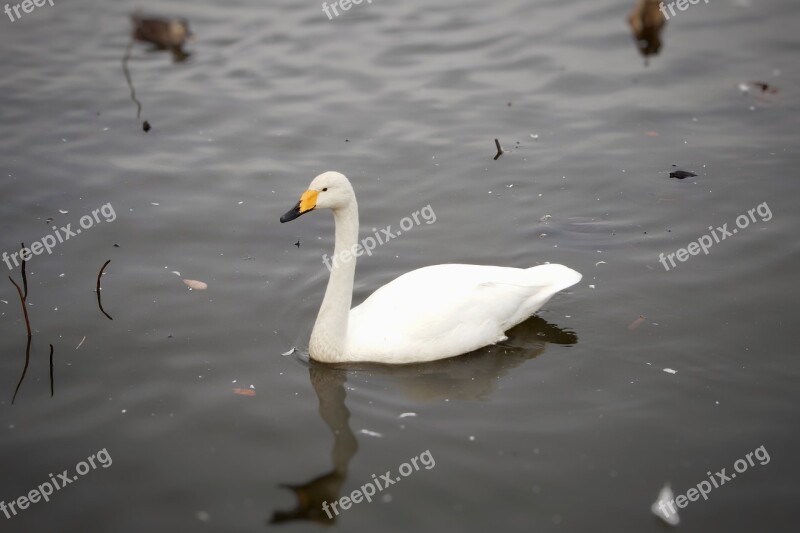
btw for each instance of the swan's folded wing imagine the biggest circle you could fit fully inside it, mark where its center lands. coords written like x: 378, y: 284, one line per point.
x: 441, y: 311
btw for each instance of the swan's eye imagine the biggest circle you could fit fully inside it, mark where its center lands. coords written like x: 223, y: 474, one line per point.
x: 325, y: 189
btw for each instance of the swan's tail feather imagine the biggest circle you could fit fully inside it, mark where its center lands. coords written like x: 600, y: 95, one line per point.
x: 545, y: 281
x: 555, y: 277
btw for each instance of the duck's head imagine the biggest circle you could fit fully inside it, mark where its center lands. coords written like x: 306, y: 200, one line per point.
x: 179, y: 32
x: 329, y: 190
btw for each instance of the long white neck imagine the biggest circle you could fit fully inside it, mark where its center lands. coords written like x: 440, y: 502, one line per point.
x: 329, y: 337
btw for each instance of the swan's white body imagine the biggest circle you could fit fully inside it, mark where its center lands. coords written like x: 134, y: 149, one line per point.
x: 424, y: 315
x: 446, y: 310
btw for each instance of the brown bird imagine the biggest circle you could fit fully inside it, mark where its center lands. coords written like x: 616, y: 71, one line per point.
x: 647, y: 21
x: 165, y: 34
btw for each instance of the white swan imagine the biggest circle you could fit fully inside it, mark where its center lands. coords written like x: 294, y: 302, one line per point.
x: 427, y: 314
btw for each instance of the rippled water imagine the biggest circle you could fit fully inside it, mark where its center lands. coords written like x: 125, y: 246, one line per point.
x: 572, y: 424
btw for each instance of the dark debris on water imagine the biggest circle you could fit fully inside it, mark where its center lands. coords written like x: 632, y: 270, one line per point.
x: 682, y: 174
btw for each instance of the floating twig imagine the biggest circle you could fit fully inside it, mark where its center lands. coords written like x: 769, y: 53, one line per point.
x: 99, y: 301
x: 499, y: 150
x: 125, y: 59
x: 24, y: 274
x: 52, y: 384
x: 22, y: 300
x: 23, y: 297
x: 24, y: 369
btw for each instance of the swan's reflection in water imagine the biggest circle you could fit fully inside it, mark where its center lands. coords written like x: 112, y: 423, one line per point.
x: 467, y: 377
x: 328, y: 383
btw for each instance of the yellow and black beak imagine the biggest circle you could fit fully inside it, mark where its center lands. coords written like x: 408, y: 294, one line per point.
x: 308, y: 201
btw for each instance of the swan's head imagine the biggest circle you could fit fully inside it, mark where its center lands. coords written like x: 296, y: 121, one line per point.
x: 329, y: 190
